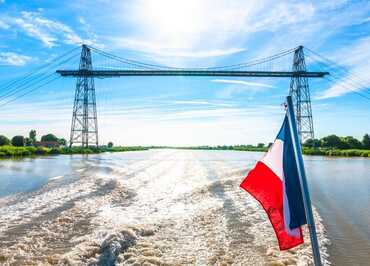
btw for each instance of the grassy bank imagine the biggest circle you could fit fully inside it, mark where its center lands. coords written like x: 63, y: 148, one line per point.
x: 306, y: 150
x: 12, y: 151
x: 337, y: 152
x: 227, y: 148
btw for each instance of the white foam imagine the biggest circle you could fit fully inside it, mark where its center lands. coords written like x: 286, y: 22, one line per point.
x: 56, y: 177
x: 173, y: 208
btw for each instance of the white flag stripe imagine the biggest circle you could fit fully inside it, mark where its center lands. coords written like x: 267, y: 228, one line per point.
x: 274, y: 158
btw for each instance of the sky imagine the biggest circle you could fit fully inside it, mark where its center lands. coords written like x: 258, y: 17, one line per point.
x: 186, y: 111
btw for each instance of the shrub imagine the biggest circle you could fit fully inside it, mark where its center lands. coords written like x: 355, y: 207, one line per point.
x: 24, y: 153
x: 18, y: 141
x: 4, y: 140
x: 87, y: 151
x: 54, y: 151
x: 366, y: 141
x: 313, y: 143
x: 49, y: 137
x: 32, y: 149
x: 41, y: 150
x: 62, y: 142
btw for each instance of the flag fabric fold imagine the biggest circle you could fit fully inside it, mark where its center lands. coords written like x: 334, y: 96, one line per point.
x: 274, y: 182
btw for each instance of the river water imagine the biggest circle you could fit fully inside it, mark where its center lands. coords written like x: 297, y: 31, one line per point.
x: 169, y: 207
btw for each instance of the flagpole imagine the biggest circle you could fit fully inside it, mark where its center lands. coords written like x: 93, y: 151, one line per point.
x: 303, y: 182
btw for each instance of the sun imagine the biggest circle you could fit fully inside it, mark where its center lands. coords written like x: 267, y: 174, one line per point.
x: 176, y: 24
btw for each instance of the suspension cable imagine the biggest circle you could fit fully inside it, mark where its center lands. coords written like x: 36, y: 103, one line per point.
x: 33, y: 80
x: 16, y: 80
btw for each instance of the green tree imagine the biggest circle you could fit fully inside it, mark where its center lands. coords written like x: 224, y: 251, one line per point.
x: 366, y: 141
x: 4, y: 140
x: 32, y: 136
x: 260, y: 145
x: 62, y: 142
x: 49, y: 137
x: 110, y: 144
x: 352, y: 143
x: 312, y: 143
x: 28, y: 142
x: 332, y: 141
x: 18, y: 141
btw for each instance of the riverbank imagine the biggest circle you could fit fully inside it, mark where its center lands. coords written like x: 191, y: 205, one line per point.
x: 337, y: 152
x: 12, y: 151
x: 305, y: 150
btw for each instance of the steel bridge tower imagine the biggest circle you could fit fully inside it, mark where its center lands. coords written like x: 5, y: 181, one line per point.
x: 300, y: 92
x: 84, y: 129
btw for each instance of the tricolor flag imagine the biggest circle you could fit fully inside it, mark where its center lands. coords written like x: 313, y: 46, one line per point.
x: 274, y: 182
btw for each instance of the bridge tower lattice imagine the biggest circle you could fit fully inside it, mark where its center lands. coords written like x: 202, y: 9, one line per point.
x: 84, y: 129
x: 300, y: 92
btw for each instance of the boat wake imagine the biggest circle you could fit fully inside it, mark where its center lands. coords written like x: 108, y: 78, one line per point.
x: 186, y: 210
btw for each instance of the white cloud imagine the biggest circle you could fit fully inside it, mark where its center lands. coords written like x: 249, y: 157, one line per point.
x: 10, y: 58
x: 355, y: 58
x: 193, y: 102
x: 199, y: 30
x: 239, y: 86
x: 4, y: 25
x: 281, y: 14
x: 217, y: 112
x: 154, y: 126
x: 175, y: 32
x: 162, y: 50
x: 202, y: 28
x: 46, y: 30
x: 49, y: 32
x: 200, y: 126
x: 202, y: 102
x: 242, y: 82
x: 366, y: 20
x: 92, y: 37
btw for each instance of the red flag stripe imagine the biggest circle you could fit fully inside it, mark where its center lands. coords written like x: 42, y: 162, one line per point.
x: 267, y: 188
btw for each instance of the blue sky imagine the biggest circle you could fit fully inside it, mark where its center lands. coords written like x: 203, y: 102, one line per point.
x: 179, y: 110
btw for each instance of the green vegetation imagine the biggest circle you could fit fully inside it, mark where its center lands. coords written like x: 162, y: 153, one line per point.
x: 337, y: 152
x: 49, y: 137
x: 259, y: 148
x: 4, y: 140
x: 20, y: 146
x: 13, y: 151
x: 331, y: 145
x: 32, y: 136
x: 18, y: 141
x: 335, y: 142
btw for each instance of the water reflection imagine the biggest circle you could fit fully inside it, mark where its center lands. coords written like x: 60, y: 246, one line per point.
x: 340, y: 189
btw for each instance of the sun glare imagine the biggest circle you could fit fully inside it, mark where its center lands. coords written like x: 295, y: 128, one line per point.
x: 177, y: 23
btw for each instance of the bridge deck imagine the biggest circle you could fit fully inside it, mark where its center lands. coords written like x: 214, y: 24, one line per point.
x: 200, y: 73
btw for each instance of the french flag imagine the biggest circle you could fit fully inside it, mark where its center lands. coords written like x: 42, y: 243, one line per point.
x: 274, y: 182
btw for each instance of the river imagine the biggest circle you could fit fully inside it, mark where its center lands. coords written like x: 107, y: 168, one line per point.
x: 170, y: 207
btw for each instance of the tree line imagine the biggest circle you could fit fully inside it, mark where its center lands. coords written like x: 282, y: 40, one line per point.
x: 20, y: 141
x: 336, y: 142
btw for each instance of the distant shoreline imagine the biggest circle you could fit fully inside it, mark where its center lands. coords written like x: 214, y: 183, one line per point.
x: 10, y: 152
x: 305, y: 150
